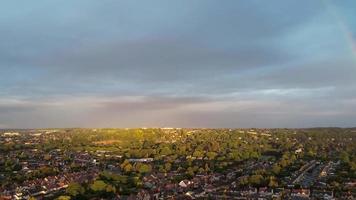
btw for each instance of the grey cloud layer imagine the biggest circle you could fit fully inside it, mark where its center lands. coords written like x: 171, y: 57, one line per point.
x: 181, y: 63
x: 178, y: 111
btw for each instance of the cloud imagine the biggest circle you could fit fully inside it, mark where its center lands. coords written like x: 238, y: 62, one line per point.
x: 159, y: 60
x: 184, y: 63
x: 105, y: 42
x: 158, y: 111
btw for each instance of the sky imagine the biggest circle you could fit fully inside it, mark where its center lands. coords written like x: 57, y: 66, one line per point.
x: 165, y: 63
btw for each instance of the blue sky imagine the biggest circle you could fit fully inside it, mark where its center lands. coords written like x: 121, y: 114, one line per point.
x: 200, y: 63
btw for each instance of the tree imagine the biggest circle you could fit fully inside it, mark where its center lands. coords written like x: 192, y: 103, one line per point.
x: 128, y: 168
x: 168, y: 166
x: 272, y: 182
x: 110, y: 189
x: 124, y: 163
x: 211, y: 155
x: 63, y: 198
x: 255, y: 179
x: 344, y: 157
x: 207, y: 168
x: 243, y: 181
x: 144, y: 168
x: 166, y: 151
x: 276, y: 169
x: 198, y: 154
x: 190, y: 171
x: 98, y: 186
x: 254, y: 154
x: 75, y: 189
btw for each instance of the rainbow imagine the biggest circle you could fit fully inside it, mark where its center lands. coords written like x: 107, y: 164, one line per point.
x: 344, y: 28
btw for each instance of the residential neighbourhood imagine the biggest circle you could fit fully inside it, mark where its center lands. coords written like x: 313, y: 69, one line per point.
x: 176, y: 164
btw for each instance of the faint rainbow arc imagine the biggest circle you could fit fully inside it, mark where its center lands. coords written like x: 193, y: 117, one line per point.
x: 343, y: 27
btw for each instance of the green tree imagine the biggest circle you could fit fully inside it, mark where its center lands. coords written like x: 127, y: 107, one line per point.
x: 166, y: 151
x: 75, y: 189
x: 144, y: 168
x: 110, y: 189
x: 98, y: 186
x: 128, y: 168
x: 256, y: 180
x: 272, y: 182
x: 198, y: 154
x: 190, y: 172
x: 243, y: 181
x: 211, y: 155
x: 168, y: 166
x: 63, y: 198
x: 276, y: 169
x: 344, y: 157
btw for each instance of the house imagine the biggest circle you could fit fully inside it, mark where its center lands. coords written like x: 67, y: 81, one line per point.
x: 143, y: 195
x: 325, y: 194
x: 215, y: 178
x: 5, y: 197
x: 10, y: 134
x: 264, y: 191
x: 350, y: 184
x: 298, y: 151
x: 141, y: 160
x: 185, y: 183
x: 248, y: 191
x: 170, y: 186
x: 231, y: 175
x: 209, y: 188
x: 300, y: 192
